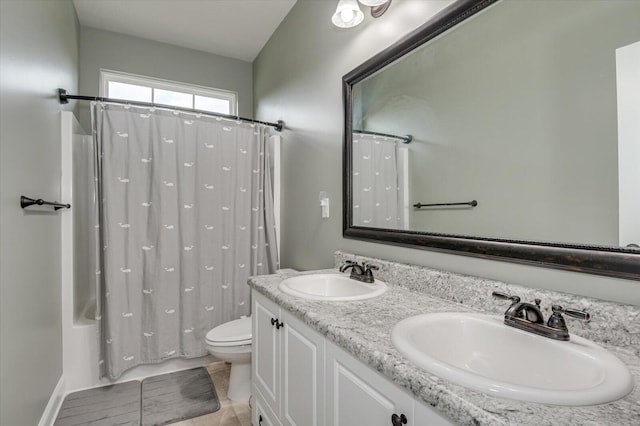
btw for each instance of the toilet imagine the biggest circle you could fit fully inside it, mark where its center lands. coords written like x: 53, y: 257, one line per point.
x: 231, y: 342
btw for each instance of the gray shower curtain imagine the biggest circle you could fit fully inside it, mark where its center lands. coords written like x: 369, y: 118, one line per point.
x: 184, y: 217
x: 377, y: 189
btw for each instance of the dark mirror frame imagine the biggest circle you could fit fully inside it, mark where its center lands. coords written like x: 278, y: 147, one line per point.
x: 607, y: 261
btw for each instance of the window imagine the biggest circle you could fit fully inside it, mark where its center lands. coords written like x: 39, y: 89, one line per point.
x: 132, y: 87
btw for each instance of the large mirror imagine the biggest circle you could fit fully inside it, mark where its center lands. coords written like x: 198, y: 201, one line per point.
x: 503, y: 129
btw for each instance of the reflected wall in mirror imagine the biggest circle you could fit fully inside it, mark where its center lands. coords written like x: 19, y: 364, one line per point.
x: 529, y: 107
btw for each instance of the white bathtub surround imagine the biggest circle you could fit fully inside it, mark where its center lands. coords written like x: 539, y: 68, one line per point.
x: 79, y: 333
x: 364, y: 329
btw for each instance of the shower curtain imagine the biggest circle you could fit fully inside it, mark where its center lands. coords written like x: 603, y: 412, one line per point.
x: 184, y: 216
x: 377, y: 189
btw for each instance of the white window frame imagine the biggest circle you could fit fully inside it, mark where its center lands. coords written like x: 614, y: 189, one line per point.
x: 107, y: 76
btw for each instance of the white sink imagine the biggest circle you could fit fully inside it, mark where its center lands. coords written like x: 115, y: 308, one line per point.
x: 480, y: 352
x: 335, y: 287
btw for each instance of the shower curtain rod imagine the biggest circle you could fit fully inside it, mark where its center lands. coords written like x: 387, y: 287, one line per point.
x: 64, y: 97
x: 404, y: 139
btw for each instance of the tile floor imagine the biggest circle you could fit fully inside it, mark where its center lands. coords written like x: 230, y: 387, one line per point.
x: 230, y: 413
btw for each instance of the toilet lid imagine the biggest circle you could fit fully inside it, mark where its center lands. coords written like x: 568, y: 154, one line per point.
x: 232, y: 331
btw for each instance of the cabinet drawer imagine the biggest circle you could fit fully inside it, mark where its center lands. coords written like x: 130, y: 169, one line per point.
x: 261, y: 413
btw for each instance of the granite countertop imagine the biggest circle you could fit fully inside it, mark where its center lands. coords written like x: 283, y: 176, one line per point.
x: 363, y: 328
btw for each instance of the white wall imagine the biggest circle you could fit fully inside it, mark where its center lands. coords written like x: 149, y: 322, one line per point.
x: 120, y: 52
x: 628, y: 80
x: 297, y: 78
x: 38, y: 53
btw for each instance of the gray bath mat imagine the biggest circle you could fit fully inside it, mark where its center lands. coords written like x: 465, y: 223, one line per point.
x: 106, y: 406
x: 178, y: 396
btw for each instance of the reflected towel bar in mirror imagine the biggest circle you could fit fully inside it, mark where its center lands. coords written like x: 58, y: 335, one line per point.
x: 26, y: 202
x: 471, y: 203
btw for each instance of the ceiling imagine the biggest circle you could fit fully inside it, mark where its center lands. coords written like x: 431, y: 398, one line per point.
x: 232, y: 28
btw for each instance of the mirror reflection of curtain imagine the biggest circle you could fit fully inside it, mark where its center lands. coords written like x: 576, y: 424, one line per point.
x: 378, y: 187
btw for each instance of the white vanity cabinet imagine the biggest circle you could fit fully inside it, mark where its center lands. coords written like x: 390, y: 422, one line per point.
x: 427, y: 416
x: 300, y: 378
x: 357, y: 395
x: 287, y: 368
x: 262, y: 415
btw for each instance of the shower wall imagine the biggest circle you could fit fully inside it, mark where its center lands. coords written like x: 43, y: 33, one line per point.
x: 84, y: 232
x: 79, y: 335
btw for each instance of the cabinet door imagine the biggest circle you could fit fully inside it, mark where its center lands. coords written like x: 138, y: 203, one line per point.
x: 262, y: 415
x: 302, y: 374
x: 427, y: 416
x: 356, y: 395
x: 266, y: 350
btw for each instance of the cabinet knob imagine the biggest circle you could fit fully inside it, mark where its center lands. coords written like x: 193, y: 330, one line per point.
x: 398, y: 420
x: 276, y: 323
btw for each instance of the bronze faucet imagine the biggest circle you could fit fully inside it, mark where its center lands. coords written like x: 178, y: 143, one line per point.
x: 528, y: 317
x: 360, y: 272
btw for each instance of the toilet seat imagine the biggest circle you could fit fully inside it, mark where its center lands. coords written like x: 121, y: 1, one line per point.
x: 232, y: 333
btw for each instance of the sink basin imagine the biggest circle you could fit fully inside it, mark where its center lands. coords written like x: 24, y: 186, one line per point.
x: 335, y: 287
x: 480, y: 352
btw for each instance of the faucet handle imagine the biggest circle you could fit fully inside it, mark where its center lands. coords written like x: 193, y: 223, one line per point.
x: 368, y: 271
x: 346, y: 265
x: 575, y: 313
x: 504, y: 296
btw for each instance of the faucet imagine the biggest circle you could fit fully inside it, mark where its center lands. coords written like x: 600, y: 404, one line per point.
x: 528, y: 317
x: 360, y: 272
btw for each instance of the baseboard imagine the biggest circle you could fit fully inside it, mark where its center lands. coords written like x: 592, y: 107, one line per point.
x: 53, y: 406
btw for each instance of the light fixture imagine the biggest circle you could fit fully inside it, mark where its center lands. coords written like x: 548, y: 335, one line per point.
x: 348, y: 13
x: 378, y: 7
x: 372, y: 3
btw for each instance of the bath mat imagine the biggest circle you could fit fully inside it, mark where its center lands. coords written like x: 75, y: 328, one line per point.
x: 116, y: 404
x: 173, y: 397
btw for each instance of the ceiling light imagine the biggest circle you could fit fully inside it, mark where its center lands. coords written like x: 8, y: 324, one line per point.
x: 348, y: 14
x: 372, y: 3
x: 378, y: 7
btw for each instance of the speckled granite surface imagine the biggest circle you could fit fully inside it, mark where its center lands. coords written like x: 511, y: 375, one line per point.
x: 364, y: 330
x: 612, y: 323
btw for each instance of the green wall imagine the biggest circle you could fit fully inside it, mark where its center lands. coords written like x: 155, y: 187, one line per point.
x: 38, y: 53
x: 120, y: 52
